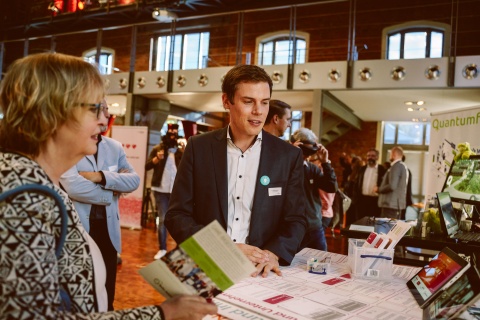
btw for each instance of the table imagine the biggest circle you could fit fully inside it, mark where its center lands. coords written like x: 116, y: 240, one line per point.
x: 431, y: 242
x: 301, y: 295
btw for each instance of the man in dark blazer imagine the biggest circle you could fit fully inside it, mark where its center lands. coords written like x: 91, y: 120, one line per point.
x: 248, y: 180
x: 366, y: 191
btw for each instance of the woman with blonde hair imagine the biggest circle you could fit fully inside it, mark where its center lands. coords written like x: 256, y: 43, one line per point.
x: 52, y: 115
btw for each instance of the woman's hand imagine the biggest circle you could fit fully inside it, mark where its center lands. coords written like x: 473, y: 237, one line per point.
x: 187, y: 307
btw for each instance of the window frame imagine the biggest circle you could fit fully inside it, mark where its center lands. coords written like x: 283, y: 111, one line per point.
x: 178, y: 62
x: 103, y: 51
x: 282, y: 36
x: 416, y: 26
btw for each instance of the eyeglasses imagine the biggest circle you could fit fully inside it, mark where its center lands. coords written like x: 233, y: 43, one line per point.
x: 99, y: 107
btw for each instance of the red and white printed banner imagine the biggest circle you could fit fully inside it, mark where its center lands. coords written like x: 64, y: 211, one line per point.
x: 134, y: 141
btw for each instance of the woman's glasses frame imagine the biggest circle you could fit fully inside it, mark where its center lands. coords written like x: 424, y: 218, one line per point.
x: 100, y: 107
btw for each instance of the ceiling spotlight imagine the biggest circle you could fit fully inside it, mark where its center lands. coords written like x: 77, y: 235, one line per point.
x: 52, y: 7
x: 408, y: 103
x: 422, y: 109
x: 304, y: 76
x: 203, y: 80
x: 410, y: 109
x: 470, y: 71
x: 365, y: 74
x: 432, y: 72
x: 398, y: 73
x: 334, y: 75
x: 163, y: 15
x: 277, y: 77
x: 420, y: 103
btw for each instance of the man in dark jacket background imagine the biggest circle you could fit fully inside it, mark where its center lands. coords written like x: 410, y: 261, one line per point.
x: 369, y: 180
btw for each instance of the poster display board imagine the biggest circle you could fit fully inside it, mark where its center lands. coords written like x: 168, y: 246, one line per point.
x: 449, y: 132
x: 134, y: 142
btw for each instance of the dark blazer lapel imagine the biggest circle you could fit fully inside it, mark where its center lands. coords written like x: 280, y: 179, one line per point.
x: 219, y: 155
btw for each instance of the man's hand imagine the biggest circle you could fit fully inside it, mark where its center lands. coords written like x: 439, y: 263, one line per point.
x: 322, y: 153
x: 254, y: 254
x: 95, y: 177
x: 271, y: 265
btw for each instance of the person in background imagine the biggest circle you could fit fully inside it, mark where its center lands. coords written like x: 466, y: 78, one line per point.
x: 314, y: 179
x: 369, y: 179
x: 327, y: 198
x: 346, y: 163
x: 409, y: 197
x: 351, y: 189
x: 393, y: 190
x: 248, y: 180
x: 164, y: 160
x: 279, y: 118
x: 95, y: 184
x: 53, y: 116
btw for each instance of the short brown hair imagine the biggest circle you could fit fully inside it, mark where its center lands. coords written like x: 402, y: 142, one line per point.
x: 244, y: 73
x: 38, y: 95
x: 276, y: 107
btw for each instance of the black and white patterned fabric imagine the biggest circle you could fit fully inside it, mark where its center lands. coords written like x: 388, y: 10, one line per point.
x: 30, y: 274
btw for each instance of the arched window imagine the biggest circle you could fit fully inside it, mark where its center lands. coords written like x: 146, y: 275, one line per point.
x: 280, y: 48
x: 105, y: 62
x: 416, y: 40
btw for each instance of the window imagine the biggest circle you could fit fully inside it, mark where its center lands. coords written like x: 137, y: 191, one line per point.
x: 406, y: 133
x: 105, y: 62
x: 296, y: 123
x: 280, y: 48
x: 416, y: 40
x: 180, y: 52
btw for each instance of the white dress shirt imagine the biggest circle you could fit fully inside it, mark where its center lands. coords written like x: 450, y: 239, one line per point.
x: 370, y: 180
x: 242, y: 168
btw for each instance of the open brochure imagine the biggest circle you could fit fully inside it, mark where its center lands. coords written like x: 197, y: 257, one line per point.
x: 205, y: 264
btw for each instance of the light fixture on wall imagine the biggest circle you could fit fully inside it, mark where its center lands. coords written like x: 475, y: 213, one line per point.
x: 141, y: 82
x: 203, y: 80
x: 123, y: 83
x: 181, y: 81
x: 160, y: 82
x: 365, y: 74
x: 334, y: 75
x: 163, y: 15
x: 432, y: 72
x: 398, y: 73
x: 52, y: 7
x: 277, y: 77
x: 304, y: 76
x: 106, y: 83
x: 470, y: 71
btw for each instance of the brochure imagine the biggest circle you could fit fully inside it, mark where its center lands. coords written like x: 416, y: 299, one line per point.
x: 205, y: 264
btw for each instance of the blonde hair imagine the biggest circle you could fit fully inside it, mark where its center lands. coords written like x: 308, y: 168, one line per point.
x: 38, y: 95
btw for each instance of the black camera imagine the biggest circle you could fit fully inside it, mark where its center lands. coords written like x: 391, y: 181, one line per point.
x: 170, y: 140
x: 309, y: 148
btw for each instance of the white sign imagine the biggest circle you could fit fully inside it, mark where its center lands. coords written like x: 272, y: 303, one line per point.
x: 448, y: 130
x: 134, y: 141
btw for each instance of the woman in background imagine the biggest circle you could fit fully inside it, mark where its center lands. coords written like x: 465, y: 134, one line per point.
x: 52, y: 118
